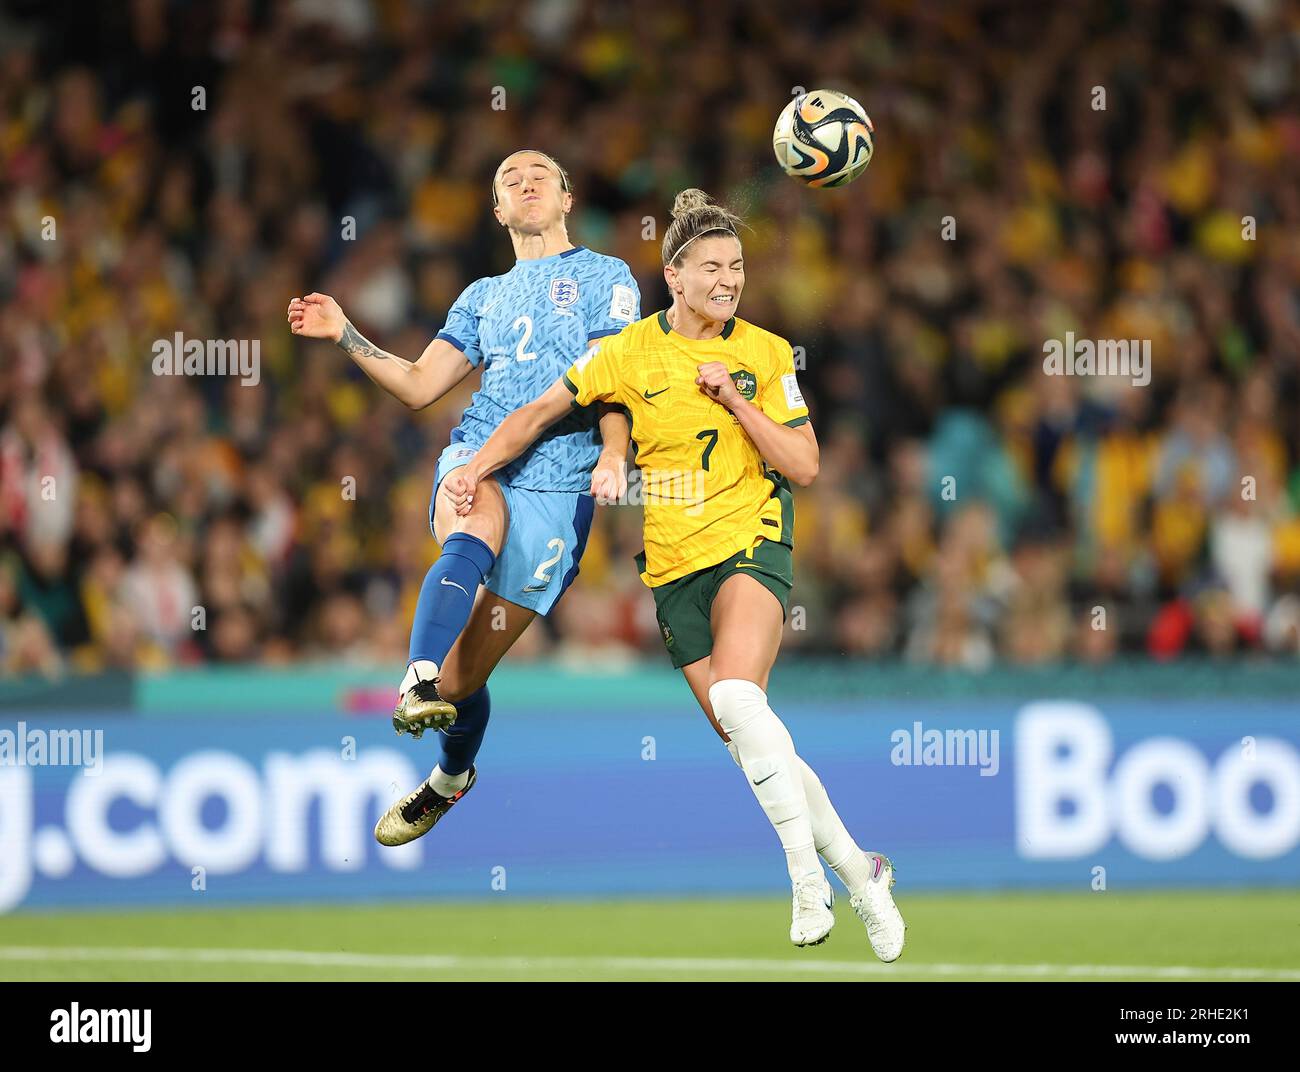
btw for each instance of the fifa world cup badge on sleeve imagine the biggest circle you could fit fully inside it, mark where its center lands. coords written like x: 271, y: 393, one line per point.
x: 793, y: 396
x: 622, y: 303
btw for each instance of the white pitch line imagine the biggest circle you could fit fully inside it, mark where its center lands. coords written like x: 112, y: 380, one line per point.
x: 632, y: 965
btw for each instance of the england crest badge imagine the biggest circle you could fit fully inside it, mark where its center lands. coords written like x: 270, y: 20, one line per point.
x: 564, y: 291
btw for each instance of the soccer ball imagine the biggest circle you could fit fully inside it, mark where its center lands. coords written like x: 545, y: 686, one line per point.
x: 823, y: 138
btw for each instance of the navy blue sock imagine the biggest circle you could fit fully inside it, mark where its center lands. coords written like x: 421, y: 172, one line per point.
x: 460, y: 744
x: 447, y: 596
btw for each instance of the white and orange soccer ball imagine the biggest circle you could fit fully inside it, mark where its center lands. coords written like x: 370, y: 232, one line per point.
x: 823, y: 138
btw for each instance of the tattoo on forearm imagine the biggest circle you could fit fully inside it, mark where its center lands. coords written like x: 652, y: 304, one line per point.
x: 354, y: 344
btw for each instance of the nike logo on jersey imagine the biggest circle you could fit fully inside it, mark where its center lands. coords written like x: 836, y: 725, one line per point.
x: 762, y: 780
x: 489, y: 307
x: 746, y: 565
x: 651, y: 394
x: 453, y: 584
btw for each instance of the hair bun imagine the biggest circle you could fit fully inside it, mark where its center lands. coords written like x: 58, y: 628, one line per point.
x: 695, y: 213
x: 689, y: 201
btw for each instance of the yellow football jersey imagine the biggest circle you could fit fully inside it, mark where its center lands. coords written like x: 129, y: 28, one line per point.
x: 706, y: 490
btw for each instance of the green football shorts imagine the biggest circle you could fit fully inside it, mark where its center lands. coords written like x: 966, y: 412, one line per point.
x: 684, y: 606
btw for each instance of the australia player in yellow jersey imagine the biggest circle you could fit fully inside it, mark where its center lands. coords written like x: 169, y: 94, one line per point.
x: 720, y: 431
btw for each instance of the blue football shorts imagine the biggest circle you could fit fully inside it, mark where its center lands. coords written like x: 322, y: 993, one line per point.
x: 545, y: 537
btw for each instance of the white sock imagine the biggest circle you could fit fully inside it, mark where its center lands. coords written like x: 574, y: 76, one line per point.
x: 420, y: 670
x: 447, y: 785
x: 771, y: 768
x: 834, y: 843
x: 832, y: 838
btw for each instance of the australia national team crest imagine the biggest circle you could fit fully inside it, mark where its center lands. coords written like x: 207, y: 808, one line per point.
x: 564, y: 291
x: 745, y: 384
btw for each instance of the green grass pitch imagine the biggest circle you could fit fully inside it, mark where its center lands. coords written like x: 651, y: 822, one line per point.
x: 984, y: 936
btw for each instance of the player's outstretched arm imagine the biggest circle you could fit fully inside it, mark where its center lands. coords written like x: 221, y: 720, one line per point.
x: 513, y: 436
x: 793, y: 452
x: 413, y: 383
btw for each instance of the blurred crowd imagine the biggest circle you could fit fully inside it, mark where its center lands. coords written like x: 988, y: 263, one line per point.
x: 1125, y: 170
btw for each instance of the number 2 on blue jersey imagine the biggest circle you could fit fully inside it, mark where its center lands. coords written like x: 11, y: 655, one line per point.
x: 524, y: 339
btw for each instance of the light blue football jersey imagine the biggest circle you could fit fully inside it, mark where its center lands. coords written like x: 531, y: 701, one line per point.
x: 525, y: 328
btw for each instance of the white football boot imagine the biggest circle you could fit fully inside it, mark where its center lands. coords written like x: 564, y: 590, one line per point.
x: 875, y: 907
x: 811, y: 916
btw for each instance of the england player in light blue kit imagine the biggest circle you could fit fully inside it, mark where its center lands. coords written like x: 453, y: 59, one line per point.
x: 526, y: 530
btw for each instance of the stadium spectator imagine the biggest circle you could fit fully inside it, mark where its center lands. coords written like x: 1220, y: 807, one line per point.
x: 970, y: 507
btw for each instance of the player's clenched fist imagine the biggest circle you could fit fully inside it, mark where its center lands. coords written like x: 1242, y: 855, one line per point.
x: 316, y: 316
x: 716, y: 382
x: 609, y: 483
x: 458, y: 489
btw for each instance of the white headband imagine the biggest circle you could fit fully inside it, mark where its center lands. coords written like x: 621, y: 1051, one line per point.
x: 711, y: 230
